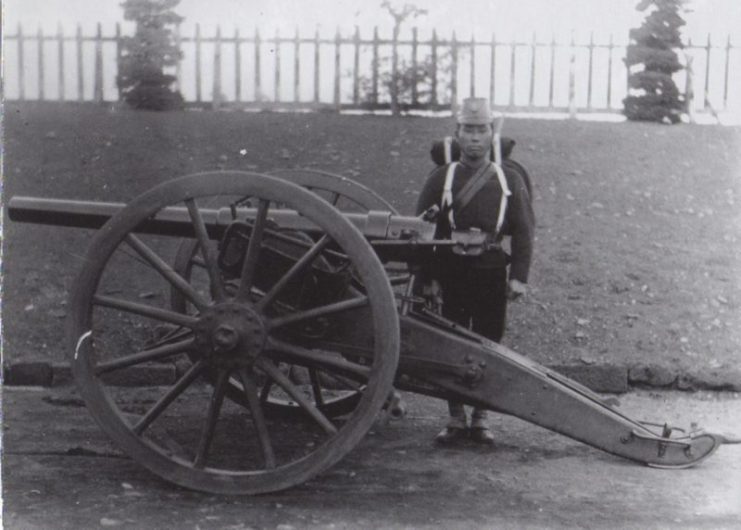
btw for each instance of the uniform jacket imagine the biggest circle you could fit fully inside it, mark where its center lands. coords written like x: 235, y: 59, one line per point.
x: 482, y: 213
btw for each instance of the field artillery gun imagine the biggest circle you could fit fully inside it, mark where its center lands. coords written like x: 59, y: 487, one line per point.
x: 292, y: 319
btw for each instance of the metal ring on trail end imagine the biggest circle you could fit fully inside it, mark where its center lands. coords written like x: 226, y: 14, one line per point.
x: 186, y: 432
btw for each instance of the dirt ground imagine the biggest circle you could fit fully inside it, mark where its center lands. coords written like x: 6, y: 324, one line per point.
x: 60, y: 471
x: 637, y: 252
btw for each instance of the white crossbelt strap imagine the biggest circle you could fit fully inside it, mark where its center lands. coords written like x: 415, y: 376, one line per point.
x: 447, y: 201
x: 505, y: 194
x: 448, y: 149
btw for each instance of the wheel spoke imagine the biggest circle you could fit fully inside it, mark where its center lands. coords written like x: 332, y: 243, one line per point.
x: 258, y: 418
x: 279, y: 377
x: 145, y: 310
x: 337, y: 307
x: 296, y: 269
x: 253, y: 251
x: 212, y: 416
x: 153, y: 354
x: 316, y: 358
x: 170, y: 396
x: 166, y: 271
x: 316, y: 387
x: 203, y: 243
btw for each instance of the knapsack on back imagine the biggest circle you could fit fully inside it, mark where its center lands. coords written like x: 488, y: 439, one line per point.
x: 448, y: 150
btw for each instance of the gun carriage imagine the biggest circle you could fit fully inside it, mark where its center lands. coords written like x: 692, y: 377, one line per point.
x: 286, y: 301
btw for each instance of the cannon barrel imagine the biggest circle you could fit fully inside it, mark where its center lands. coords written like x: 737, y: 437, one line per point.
x: 175, y: 221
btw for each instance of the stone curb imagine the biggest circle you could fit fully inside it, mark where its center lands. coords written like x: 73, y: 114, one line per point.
x: 608, y: 378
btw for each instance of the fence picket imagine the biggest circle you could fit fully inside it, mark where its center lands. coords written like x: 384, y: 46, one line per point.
x: 589, y: 71
x: 533, y: 47
x: 610, y: 48
x: 80, y: 73
x: 725, y: 73
x: 572, y: 79
x: 21, y: 64
x: 216, y: 95
x: 375, y: 67
x: 237, y: 66
x: 296, y: 68
x: 472, y: 67
x: 119, y: 52
x: 316, y: 66
x: 276, y: 73
x: 706, y: 99
x: 198, y: 62
x: 454, y: 73
x: 337, y: 42
x: 512, y: 63
x: 415, y: 79
x: 40, y: 54
x: 98, y: 71
x: 356, y: 67
x: 433, y: 53
x: 493, y: 70
x: 552, y: 73
x: 258, y: 81
x: 60, y: 61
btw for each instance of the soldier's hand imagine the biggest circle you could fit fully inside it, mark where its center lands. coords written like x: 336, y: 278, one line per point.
x: 433, y: 293
x: 515, y: 289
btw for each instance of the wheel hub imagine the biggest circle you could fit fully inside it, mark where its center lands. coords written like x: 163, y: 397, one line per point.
x: 231, y: 334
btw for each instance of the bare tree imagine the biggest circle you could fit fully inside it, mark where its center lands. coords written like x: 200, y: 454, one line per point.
x: 399, y: 15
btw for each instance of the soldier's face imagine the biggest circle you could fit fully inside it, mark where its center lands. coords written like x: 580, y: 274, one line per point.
x: 475, y: 140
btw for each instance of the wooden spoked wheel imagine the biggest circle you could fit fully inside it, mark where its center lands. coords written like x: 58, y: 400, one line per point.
x: 242, y: 327
x: 333, y: 395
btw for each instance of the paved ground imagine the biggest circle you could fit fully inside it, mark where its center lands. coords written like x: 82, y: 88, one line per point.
x: 59, y: 471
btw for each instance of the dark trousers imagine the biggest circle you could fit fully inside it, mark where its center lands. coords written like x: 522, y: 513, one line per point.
x: 477, y: 300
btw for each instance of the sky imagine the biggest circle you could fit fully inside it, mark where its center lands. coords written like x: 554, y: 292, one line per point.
x: 505, y: 17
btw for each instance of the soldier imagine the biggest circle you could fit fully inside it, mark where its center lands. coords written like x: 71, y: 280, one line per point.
x: 474, y: 193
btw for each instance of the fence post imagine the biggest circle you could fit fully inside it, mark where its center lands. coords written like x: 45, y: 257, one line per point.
x: 552, y: 73
x: 415, y: 79
x: 337, y: 43
x: 198, y: 62
x: 356, y: 68
x: 708, y: 48
x: 98, y: 75
x: 21, y: 73
x: 237, y: 66
x: 276, y: 74
x: 689, y: 86
x: 80, y: 77
x: 119, y: 54
x: 316, y: 65
x: 433, y: 81
x: 725, y: 77
x: 296, y: 67
x: 533, y: 48
x: 454, y: 75
x: 512, y: 71
x: 216, y: 95
x: 472, y: 77
x: 492, y: 70
x: 572, y: 78
x: 258, y: 81
x: 40, y: 45
x: 60, y: 60
x: 375, y: 66
x: 610, y: 48
x: 589, y: 74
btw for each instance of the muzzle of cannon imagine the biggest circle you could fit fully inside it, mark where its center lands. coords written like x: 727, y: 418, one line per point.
x: 286, y: 303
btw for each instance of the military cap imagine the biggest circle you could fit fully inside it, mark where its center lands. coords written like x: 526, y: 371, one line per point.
x: 475, y: 111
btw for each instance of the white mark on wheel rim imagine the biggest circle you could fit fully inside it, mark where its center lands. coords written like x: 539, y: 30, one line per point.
x: 84, y: 336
